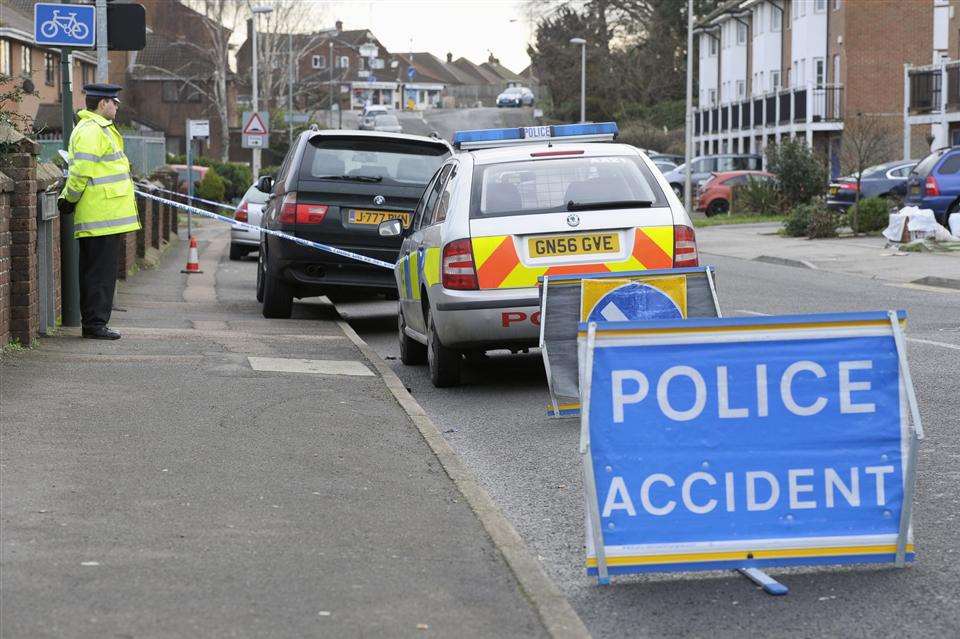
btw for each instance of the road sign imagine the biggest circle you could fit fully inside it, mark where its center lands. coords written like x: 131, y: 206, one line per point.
x: 747, y: 442
x: 620, y: 300
x: 256, y: 130
x: 198, y: 129
x: 411, y: 72
x: 126, y: 27
x: 62, y: 25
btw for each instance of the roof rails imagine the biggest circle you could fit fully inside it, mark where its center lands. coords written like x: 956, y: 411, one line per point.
x: 492, y: 138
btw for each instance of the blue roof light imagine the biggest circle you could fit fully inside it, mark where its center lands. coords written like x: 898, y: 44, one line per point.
x: 488, y: 138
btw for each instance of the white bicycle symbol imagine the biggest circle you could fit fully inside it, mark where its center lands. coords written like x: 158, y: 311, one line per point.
x: 68, y: 24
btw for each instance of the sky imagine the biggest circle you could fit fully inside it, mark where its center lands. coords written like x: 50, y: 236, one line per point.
x: 469, y: 28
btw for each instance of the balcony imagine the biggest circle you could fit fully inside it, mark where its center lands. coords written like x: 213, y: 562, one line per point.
x: 783, y: 110
x: 925, y: 88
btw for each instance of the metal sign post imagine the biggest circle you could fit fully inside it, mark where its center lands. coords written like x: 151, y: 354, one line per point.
x: 195, y: 129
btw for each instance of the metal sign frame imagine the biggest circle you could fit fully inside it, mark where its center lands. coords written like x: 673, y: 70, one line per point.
x: 791, y: 327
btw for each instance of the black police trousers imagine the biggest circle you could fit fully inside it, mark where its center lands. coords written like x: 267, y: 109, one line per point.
x: 99, y: 258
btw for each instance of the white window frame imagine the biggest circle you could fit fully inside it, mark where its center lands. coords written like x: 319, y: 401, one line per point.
x: 819, y: 72
x: 26, y: 60
x: 344, y: 62
x: 712, y: 93
x: 775, y: 83
x: 712, y: 46
x: 776, y: 19
x: 819, y: 6
x: 6, y: 64
x: 836, y: 5
x: 741, y: 30
x: 318, y: 61
x: 741, y: 89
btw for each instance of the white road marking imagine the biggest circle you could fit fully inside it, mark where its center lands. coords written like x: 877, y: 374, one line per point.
x: 930, y: 342
x: 311, y: 366
x: 612, y: 313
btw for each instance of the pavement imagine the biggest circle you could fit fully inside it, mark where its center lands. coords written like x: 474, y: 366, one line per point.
x: 867, y: 256
x: 216, y: 474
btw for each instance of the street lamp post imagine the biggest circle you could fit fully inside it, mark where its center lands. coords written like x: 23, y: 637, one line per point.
x: 688, y: 133
x: 583, y: 76
x: 256, y: 95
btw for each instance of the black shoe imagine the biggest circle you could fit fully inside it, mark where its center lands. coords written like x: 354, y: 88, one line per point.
x: 100, y: 332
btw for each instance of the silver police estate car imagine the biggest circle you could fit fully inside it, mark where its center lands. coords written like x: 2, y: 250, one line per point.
x: 514, y: 205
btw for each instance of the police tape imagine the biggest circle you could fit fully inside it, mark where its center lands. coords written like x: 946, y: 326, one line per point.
x: 250, y: 227
x: 194, y: 197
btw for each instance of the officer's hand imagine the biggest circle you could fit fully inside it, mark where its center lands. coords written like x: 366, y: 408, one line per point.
x: 65, y: 207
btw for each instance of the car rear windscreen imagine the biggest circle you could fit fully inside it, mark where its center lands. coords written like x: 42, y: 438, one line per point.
x: 547, y: 186
x: 392, y: 161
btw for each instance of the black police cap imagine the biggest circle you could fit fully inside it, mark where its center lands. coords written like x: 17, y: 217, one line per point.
x: 102, y: 90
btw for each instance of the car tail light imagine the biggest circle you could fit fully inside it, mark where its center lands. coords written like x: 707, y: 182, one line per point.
x: 849, y: 186
x: 288, y: 209
x: 241, y: 214
x: 684, y: 247
x: 931, y: 188
x: 457, y: 271
x: 311, y: 213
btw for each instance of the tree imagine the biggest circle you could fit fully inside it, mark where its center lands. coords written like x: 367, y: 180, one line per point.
x: 11, y: 95
x: 800, y: 174
x: 867, y: 140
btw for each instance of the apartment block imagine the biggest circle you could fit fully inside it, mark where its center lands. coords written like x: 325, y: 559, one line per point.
x: 770, y: 69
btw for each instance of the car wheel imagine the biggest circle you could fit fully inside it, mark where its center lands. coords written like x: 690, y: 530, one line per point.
x: 261, y: 268
x: 412, y: 352
x: 237, y: 252
x: 277, y: 296
x: 718, y: 207
x: 444, y: 363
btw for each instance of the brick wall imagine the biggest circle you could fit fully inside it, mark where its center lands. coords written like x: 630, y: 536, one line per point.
x: 19, y: 164
x: 6, y: 191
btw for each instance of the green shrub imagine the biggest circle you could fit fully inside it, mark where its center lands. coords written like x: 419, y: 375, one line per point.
x: 872, y: 214
x: 823, y: 221
x: 211, y: 187
x: 797, y: 222
x: 802, y: 176
x: 756, y: 197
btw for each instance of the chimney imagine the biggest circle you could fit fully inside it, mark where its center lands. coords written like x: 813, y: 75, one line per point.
x: 449, y: 58
x: 339, y: 25
x: 491, y: 59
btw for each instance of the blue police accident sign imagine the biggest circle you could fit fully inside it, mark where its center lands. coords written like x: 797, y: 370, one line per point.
x: 747, y: 442
x: 65, y: 25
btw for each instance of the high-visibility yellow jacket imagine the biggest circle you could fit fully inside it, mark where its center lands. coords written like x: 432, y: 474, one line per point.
x: 99, y: 180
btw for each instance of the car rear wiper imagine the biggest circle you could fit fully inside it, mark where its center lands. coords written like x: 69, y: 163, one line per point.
x: 355, y: 178
x: 616, y: 204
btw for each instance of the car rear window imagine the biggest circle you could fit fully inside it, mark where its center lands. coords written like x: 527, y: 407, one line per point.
x: 926, y: 165
x: 545, y: 186
x: 392, y: 161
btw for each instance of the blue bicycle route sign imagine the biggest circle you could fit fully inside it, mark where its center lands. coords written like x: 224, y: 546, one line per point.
x: 64, y: 25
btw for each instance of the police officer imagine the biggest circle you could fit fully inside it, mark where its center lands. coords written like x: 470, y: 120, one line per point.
x: 99, y: 192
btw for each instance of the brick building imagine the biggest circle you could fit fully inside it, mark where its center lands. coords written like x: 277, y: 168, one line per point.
x: 37, y: 69
x: 770, y: 69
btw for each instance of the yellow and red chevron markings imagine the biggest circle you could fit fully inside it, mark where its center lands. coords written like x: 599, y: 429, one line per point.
x: 498, y: 265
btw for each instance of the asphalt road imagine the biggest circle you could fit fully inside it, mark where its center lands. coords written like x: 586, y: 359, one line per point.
x: 529, y: 464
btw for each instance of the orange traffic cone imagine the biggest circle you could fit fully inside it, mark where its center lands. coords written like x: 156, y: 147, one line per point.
x: 193, y: 262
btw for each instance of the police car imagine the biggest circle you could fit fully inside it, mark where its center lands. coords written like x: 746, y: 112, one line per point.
x: 514, y: 205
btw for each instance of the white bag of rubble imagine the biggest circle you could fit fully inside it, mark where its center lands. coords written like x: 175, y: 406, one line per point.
x: 896, y: 227
x: 954, y: 223
x: 923, y: 225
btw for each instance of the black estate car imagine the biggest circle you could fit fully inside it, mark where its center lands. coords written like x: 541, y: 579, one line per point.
x: 335, y: 187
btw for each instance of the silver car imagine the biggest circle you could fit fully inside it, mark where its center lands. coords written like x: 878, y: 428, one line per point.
x: 547, y: 200
x: 388, y: 123
x: 250, y: 210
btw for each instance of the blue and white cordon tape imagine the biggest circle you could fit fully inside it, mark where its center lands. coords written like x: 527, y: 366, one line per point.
x: 286, y: 236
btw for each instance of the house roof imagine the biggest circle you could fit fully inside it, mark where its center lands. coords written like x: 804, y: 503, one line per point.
x: 502, y: 72
x: 725, y: 7
x: 173, y: 58
x: 17, y: 17
x: 462, y: 76
x: 481, y: 76
x: 428, y: 67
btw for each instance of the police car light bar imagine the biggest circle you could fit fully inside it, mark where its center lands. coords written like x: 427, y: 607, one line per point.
x: 491, y: 138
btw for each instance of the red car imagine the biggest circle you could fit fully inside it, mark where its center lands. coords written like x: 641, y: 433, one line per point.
x: 713, y: 196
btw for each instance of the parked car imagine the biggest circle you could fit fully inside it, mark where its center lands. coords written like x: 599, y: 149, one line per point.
x: 369, y: 113
x: 665, y: 166
x: 934, y: 183
x: 666, y: 157
x: 250, y: 210
x: 198, y: 173
x: 335, y: 187
x: 715, y: 195
x: 388, y: 123
x: 883, y: 180
x: 515, y: 97
x: 704, y: 166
